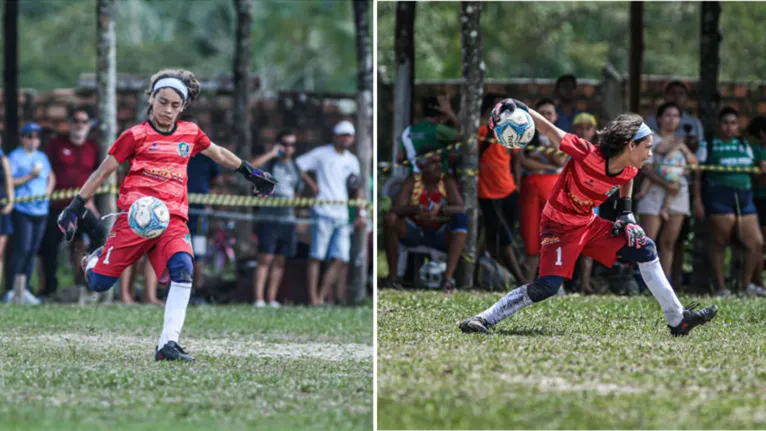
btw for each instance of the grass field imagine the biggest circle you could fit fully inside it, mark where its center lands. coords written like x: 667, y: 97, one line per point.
x: 570, y: 362
x: 68, y: 367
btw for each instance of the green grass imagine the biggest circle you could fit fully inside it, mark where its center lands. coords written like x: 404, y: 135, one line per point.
x: 69, y: 367
x: 570, y: 362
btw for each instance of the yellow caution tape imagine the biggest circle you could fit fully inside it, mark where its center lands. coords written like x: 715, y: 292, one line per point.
x: 205, y: 199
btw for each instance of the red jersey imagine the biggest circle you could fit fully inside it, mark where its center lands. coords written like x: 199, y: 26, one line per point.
x: 583, y: 185
x: 71, y: 163
x: 158, y: 163
x: 425, y: 198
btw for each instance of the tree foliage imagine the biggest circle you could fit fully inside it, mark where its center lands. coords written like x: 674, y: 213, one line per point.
x: 295, y: 44
x: 547, y: 39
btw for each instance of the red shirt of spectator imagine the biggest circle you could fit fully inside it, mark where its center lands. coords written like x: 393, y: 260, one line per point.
x: 72, y: 164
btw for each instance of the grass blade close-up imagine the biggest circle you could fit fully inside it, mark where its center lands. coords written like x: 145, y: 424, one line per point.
x: 68, y: 367
x: 571, y: 362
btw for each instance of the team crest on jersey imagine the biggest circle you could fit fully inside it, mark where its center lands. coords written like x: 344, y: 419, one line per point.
x: 187, y: 239
x: 183, y: 149
x: 612, y: 190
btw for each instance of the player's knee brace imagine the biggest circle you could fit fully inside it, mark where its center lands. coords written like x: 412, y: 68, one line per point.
x: 101, y: 283
x: 458, y: 222
x: 647, y: 252
x: 544, y: 287
x: 181, y: 268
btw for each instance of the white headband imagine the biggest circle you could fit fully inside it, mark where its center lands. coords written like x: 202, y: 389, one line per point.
x: 174, y: 83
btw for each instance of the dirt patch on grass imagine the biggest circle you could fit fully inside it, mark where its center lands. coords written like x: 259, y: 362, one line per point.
x: 217, y: 347
x: 558, y: 384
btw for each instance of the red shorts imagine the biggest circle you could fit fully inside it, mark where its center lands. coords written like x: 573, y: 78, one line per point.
x: 123, y: 247
x: 561, y: 249
x: 535, y: 192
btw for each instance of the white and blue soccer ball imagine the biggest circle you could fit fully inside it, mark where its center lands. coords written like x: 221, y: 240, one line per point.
x: 515, y: 129
x: 148, y: 217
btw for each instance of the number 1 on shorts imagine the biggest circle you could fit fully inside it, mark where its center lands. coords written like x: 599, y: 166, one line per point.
x: 558, y: 257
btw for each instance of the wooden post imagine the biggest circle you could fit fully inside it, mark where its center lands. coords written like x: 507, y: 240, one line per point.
x: 106, y: 101
x: 470, y: 111
x: 241, y: 109
x: 10, y: 73
x: 363, y: 142
x: 636, y: 53
x: 404, y: 60
x: 710, y: 60
x: 612, y: 94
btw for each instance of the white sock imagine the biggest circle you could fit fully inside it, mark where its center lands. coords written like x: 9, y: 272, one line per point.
x: 175, y: 312
x: 655, y: 279
x: 514, y: 301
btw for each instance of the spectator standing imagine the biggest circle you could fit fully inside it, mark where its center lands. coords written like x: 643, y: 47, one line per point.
x: 128, y: 279
x: 566, y: 85
x: 498, y: 195
x: 428, y: 210
x: 757, y: 131
x: 277, y: 237
x: 6, y: 192
x: 32, y: 176
x: 334, y: 165
x: 540, y: 171
x: 430, y: 131
x: 73, y: 158
x: 664, y: 198
x: 677, y: 92
x: 728, y: 200
x: 202, y: 171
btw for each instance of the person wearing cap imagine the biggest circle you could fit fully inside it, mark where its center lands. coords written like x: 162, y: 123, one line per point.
x: 73, y: 157
x: 431, y: 131
x: 32, y: 176
x: 334, y: 165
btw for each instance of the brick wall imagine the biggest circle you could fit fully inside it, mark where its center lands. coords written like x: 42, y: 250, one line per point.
x: 748, y: 98
x: 310, y: 115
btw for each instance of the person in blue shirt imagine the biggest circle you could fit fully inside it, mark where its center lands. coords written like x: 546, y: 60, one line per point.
x: 32, y: 176
x: 201, y: 171
x: 6, y: 191
x: 566, y: 87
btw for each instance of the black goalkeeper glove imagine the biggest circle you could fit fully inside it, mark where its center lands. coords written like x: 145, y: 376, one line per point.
x: 626, y: 222
x: 68, y: 218
x: 263, y: 183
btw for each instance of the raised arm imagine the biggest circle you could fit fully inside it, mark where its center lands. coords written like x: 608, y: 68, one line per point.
x: 263, y: 182
x: 543, y: 126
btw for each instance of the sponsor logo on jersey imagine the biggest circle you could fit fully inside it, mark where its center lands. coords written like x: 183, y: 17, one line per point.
x: 550, y: 240
x: 183, y: 149
x: 165, y: 174
x: 154, y: 147
x: 580, y: 202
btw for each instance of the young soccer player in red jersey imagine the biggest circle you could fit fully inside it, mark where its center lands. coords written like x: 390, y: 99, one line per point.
x: 158, y: 151
x: 570, y: 228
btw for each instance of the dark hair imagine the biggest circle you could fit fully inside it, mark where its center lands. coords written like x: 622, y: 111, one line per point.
x: 429, y: 105
x: 284, y: 132
x: 75, y: 109
x: 544, y: 101
x: 616, y: 135
x: 676, y: 83
x: 757, y: 126
x: 188, y: 78
x: 727, y: 110
x: 567, y: 77
x: 664, y: 107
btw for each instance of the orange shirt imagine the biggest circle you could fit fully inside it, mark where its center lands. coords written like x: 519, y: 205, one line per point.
x: 495, y: 179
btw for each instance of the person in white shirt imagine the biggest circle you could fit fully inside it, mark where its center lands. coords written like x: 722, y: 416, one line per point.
x: 335, y: 168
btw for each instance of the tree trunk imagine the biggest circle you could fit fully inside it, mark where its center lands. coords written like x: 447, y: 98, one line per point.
x: 710, y: 60
x: 241, y: 111
x: 106, y: 104
x: 363, y: 141
x: 10, y: 73
x: 470, y: 107
x: 636, y: 53
x: 404, y: 55
x: 106, y: 95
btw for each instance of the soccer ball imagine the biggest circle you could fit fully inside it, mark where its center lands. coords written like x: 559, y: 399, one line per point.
x: 515, y: 129
x: 148, y: 217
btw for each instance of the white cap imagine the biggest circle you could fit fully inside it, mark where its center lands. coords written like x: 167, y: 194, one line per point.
x: 344, y: 128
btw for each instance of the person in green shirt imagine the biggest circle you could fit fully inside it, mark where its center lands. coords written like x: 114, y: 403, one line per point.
x: 431, y: 131
x: 728, y: 200
x: 757, y: 131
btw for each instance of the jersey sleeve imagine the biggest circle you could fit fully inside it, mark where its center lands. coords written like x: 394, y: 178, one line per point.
x: 202, y: 143
x: 575, y: 147
x: 124, y: 147
x: 445, y: 134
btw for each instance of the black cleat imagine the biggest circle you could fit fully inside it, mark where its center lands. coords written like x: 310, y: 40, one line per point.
x: 693, y: 318
x: 475, y: 324
x: 171, y: 351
